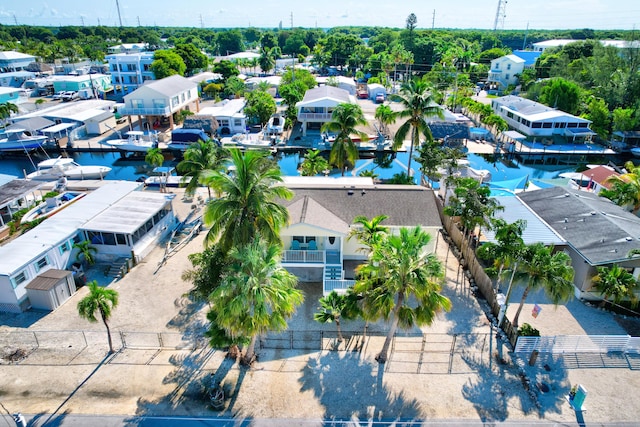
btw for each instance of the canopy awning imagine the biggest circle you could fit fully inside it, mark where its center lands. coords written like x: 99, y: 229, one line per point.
x: 58, y: 128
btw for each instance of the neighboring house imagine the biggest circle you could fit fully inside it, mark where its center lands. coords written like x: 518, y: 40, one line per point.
x: 592, y: 179
x: 547, y: 44
x: 15, y: 78
x: 598, y: 233
x: 229, y: 114
x: 625, y: 140
x: 14, y: 61
x: 343, y: 82
x: 128, y: 48
x: 130, y: 71
x: 504, y: 70
x: 101, y: 83
x: 537, y: 120
x: 375, y: 89
x: 118, y: 221
x: 318, y: 104
x: 273, y: 82
x: 321, y: 215
x: 15, y: 194
x: 160, y: 99
x: 10, y: 94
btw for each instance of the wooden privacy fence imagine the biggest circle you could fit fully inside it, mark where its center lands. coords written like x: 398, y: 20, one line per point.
x: 579, y: 344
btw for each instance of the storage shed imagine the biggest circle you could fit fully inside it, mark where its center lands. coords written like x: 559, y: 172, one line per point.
x: 100, y: 123
x: 49, y: 290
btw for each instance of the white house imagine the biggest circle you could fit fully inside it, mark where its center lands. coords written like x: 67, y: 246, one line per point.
x: 118, y: 221
x: 160, y: 99
x: 321, y: 213
x: 537, y: 120
x: 504, y: 70
x: 343, y: 82
x: 229, y: 114
x: 128, y: 48
x: 15, y: 194
x: 14, y: 61
x: 130, y: 70
x: 318, y: 104
x: 273, y: 81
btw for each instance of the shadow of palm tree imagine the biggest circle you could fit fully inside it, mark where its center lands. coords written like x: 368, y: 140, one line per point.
x: 352, y: 388
x: 54, y: 420
x: 186, y: 320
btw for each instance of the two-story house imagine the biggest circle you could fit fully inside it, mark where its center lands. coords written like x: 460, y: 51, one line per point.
x: 505, y: 70
x: 130, y: 70
x: 318, y: 104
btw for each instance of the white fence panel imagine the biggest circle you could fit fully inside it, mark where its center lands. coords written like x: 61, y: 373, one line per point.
x: 578, y: 344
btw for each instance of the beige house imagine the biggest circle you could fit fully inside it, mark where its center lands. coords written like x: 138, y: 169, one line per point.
x: 160, y: 99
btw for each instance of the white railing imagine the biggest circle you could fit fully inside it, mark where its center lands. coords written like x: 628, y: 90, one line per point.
x: 145, y: 111
x: 314, y: 116
x: 303, y: 256
x: 579, y: 344
x: 340, y: 286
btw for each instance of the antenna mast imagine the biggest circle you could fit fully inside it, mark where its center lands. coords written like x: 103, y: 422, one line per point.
x: 119, y: 16
x: 501, y: 13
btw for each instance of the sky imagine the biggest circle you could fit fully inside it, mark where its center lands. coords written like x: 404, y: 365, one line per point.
x: 481, y: 14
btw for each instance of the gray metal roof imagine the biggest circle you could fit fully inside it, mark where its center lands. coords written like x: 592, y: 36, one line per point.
x: 326, y: 92
x: 17, y: 188
x: 405, y: 205
x: 598, y: 229
x: 47, y: 280
x: 536, y: 231
x: 34, y: 123
x: 172, y: 85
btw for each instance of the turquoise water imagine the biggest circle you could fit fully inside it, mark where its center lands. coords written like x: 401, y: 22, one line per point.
x: 385, y: 166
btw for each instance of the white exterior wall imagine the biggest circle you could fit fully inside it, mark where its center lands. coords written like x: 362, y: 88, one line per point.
x: 503, y: 71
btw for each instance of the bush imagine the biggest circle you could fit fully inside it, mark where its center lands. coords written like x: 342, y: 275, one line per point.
x: 526, y: 330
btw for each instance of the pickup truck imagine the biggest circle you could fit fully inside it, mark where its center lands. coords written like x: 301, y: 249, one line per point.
x: 69, y: 95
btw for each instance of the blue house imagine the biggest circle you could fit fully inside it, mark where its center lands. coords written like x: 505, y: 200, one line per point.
x: 14, y: 61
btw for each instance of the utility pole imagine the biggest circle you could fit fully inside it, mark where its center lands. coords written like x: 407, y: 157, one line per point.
x: 82, y: 19
x: 501, y: 13
x: 99, y: 22
x: 433, y: 20
x: 15, y: 20
x: 524, y: 43
x: 201, y: 22
x: 138, y: 17
x: 119, y: 15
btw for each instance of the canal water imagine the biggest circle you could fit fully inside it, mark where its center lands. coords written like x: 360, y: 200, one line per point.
x: 385, y: 166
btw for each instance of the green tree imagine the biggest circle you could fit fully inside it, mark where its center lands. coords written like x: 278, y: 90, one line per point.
x: 193, y: 58
x: 344, y: 121
x: 385, y: 116
x: 430, y: 157
x: 226, y: 68
x: 200, y: 157
x: 302, y: 75
x: 332, y: 308
x: 313, y: 163
x: 234, y: 86
x: 266, y: 60
x: 507, y: 247
x: 417, y: 104
x: 598, y: 113
x: 167, y: 63
x: 616, y: 283
x: 368, y: 232
x: 472, y: 202
x: 625, y: 188
x: 99, y: 300
x: 229, y: 42
x: 402, y: 282
x: 248, y: 207
x: 257, y: 296
x: 86, y: 252
x: 540, y: 268
x: 623, y: 119
x: 561, y: 94
x: 6, y: 110
x: 260, y: 106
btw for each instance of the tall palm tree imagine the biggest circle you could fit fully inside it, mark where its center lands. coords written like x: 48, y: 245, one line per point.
x: 313, y: 163
x: 541, y: 268
x: 200, y: 157
x: 418, y: 104
x: 248, y: 206
x: 402, y: 282
x: 617, y: 283
x: 344, y: 120
x: 368, y: 232
x: 385, y: 116
x: 257, y: 296
x: 99, y: 300
x: 155, y: 158
x: 266, y: 60
x: 331, y: 309
x: 626, y: 187
x: 506, y: 249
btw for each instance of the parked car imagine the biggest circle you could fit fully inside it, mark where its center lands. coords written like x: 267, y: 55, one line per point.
x: 380, y: 98
x: 58, y: 95
x: 69, y: 95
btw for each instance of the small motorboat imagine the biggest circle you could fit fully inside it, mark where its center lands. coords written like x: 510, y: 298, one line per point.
x: 165, y: 176
x: 135, y: 141
x: 18, y: 140
x: 54, y: 169
x: 635, y: 151
x: 255, y: 140
x: 52, y: 205
x: 275, y: 126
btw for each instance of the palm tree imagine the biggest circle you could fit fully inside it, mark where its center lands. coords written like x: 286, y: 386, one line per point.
x: 507, y: 247
x: 7, y: 109
x: 626, y: 187
x: 39, y: 102
x: 331, y: 309
x: 200, y: 157
x: 266, y: 60
x: 541, y: 268
x: 418, y: 104
x: 617, y: 283
x: 472, y: 202
x: 313, y: 163
x: 385, y: 116
x: 155, y: 158
x: 257, y: 296
x: 100, y: 300
x: 402, y: 282
x: 368, y: 232
x: 248, y: 207
x: 344, y: 120
x: 85, y: 252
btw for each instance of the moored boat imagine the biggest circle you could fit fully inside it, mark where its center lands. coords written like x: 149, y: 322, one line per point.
x: 275, y: 126
x: 52, y: 205
x: 18, y: 140
x: 165, y: 176
x: 635, y: 151
x: 53, y: 169
x: 135, y: 141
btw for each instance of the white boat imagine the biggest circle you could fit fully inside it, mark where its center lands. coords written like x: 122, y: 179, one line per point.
x: 53, y: 169
x: 135, y: 141
x: 166, y: 176
x: 52, y: 205
x: 17, y: 140
x: 635, y: 151
x: 275, y: 126
x: 257, y: 140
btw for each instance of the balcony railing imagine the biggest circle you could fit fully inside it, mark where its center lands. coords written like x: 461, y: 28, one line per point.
x: 144, y: 111
x: 340, y: 286
x: 304, y: 257
x: 325, y: 117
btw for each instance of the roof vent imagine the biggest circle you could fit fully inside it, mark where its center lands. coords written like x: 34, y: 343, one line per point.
x: 628, y: 238
x: 350, y: 192
x: 566, y: 219
x: 593, y: 212
x: 363, y: 192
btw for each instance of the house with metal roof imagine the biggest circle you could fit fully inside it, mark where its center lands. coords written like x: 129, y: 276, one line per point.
x: 597, y: 232
x: 322, y: 213
x: 119, y: 221
x: 10, y: 94
x: 15, y: 194
x: 229, y: 115
x: 318, y: 104
x: 14, y: 61
x: 504, y: 70
x: 539, y: 121
x: 160, y: 99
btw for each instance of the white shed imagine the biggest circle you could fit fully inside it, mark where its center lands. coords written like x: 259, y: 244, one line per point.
x: 101, y: 123
x: 49, y: 290
x: 374, y: 89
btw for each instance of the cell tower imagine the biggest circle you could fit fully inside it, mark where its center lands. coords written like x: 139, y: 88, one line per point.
x: 501, y: 13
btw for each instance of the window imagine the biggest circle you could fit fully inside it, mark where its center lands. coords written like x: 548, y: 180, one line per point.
x: 42, y: 263
x: 506, y: 76
x: 121, y: 239
x: 18, y: 279
x: 65, y: 247
x: 508, y: 67
x: 175, y: 101
x: 137, y: 103
x: 237, y: 122
x: 572, y: 125
x: 547, y: 125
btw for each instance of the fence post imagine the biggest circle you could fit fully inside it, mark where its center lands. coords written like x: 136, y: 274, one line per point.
x: 290, y: 340
x: 160, y: 339
x: 123, y: 341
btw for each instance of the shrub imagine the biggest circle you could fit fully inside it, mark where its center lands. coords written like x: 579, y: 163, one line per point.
x: 526, y: 330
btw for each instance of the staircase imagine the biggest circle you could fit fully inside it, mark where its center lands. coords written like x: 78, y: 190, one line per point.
x: 117, y: 268
x: 333, y: 272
